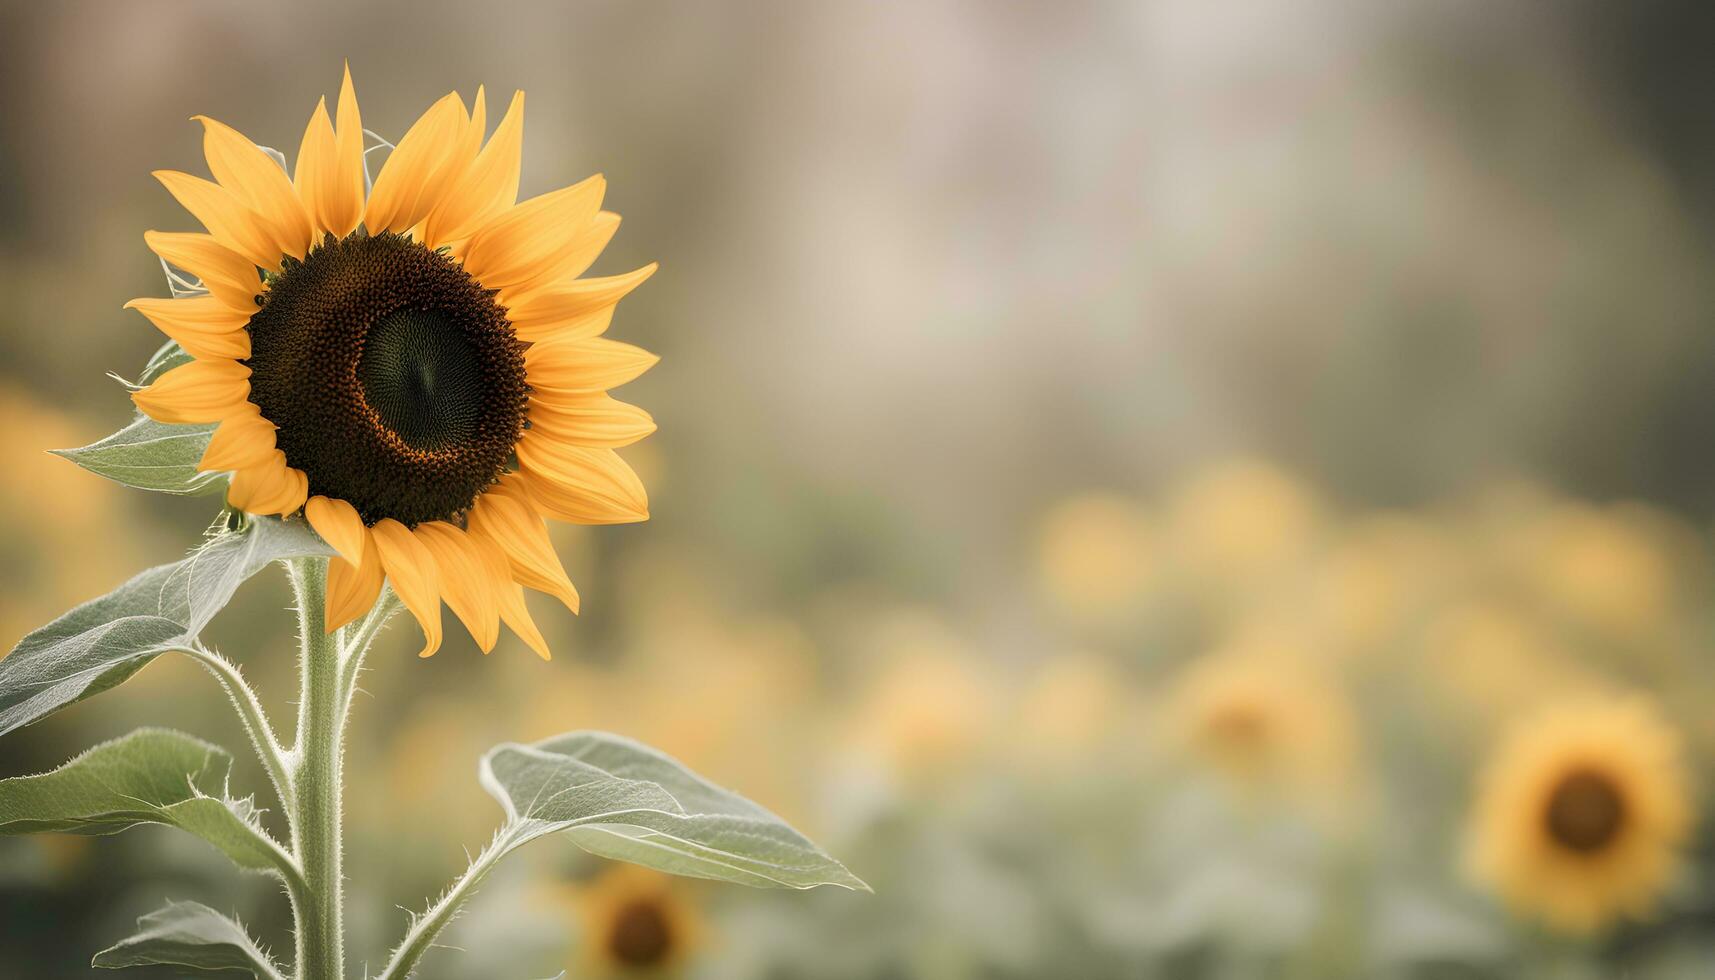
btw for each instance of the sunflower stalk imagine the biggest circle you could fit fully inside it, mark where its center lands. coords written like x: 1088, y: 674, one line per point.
x: 329, y: 665
x: 317, y: 757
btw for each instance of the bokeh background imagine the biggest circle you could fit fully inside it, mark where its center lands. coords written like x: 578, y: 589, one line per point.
x: 1122, y: 468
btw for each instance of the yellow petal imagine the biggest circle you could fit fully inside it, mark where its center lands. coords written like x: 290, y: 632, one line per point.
x: 330, y: 187
x: 337, y: 522
x: 460, y: 163
x: 244, y: 439
x: 487, y: 187
x: 539, y: 310
x: 591, y: 365
x: 508, y: 595
x: 230, y: 277
x: 256, y: 179
x: 415, y: 577
x: 591, y: 324
x: 466, y: 583
x: 583, y: 252
x: 232, y: 222
x: 572, y: 263
x: 295, y: 494
x: 579, y: 484
x: 330, y: 165
x: 201, y: 391
x: 514, y: 525
x: 203, y: 325
x: 268, y: 487
x: 258, y: 479
x: 352, y: 589
x: 591, y: 420
x: 416, y: 173
x: 529, y: 238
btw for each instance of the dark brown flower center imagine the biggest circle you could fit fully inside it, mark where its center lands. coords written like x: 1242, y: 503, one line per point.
x: 1585, y: 812
x: 395, y: 379
x: 641, y: 935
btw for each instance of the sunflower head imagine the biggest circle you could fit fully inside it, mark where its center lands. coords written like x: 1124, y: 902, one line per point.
x: 419, y: 370
x: 1581, y: 813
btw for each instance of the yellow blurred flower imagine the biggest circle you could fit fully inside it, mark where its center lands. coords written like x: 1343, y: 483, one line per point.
x: 1095, y: 557
x: 49, y: 507
x: 1069, y: 708
x: 1489, y: 657
x: 1266, y: 721
x: 1383, y: 569
x: 636, y: 923
x: 1241, y: 519
x: 929, y: 708
x: 1602, y: 567
x: 1581, y: 813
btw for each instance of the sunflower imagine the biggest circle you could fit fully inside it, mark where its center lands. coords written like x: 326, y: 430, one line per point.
x: 636, y: 922
x: 419, y: 370
x: 1581, y: 813
x: 1263, y: 716
x: 1095, y: 559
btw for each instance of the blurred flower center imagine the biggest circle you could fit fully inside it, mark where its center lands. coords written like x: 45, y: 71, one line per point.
x: 396, y: 381
x: 641, y: 935
x: 1585, y: 812
x: 1239, y: 728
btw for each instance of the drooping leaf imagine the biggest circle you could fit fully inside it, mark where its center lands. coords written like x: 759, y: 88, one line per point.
x: 104, y: 641
x: 619, y: 799
x: 151, y: 455
x: 149, y: 776
x: 192, y: 935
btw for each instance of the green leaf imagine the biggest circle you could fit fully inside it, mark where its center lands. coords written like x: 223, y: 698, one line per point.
x: 619, y: 799
x: 189, y: 934
x: 151, y: 455
x: 149, y: 776
x: 104, y: 641
x: 169, y: 356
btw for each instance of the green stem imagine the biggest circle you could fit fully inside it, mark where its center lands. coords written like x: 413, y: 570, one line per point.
x: 275, y: 759
x: 316, y: 781
x: 426, y: 927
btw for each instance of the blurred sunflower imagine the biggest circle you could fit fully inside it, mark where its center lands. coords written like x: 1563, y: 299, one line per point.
x: 48, y: 508
x: 1489, y: 658
x: 1266, y: 721
x: 930, y: 709
x: 1240, y: 520
x: 1383, y: 570
x: 1070, y: 707
x: 636, y: 923
x: 1581, y: 812
x: 1602, y: 566
x: 420, y: 371
x: 1095, y: 557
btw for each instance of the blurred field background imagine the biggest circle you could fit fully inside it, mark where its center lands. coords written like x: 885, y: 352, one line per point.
x: 1122, y: 470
